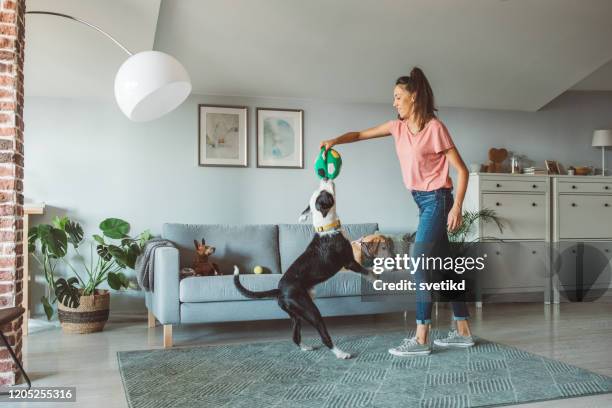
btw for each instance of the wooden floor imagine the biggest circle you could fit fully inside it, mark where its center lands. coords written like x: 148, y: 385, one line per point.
x: 578, y: 334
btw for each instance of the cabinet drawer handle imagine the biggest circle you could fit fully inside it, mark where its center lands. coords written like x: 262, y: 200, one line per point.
x: 534, y: 186
x: 498, y: 185
x: 606, y: 205
x: 533, y: 204
x: 606, y: 250
x: 574, y: 187
x: 533, y: 252
x: 573, y: 204
x: 497, y: 204
x: 606, y: 187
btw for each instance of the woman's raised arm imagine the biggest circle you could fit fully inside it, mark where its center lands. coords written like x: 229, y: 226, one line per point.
x: 350, y: 137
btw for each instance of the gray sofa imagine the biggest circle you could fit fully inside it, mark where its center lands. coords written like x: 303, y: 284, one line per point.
x: 215, y: 298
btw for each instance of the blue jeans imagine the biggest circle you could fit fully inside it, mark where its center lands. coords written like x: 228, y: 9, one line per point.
x: 432, y: 240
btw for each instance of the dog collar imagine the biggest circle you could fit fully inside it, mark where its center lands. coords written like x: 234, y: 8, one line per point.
x: 333, y: 225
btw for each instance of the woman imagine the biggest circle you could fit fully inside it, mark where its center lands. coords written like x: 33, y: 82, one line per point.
x: 425, y: 150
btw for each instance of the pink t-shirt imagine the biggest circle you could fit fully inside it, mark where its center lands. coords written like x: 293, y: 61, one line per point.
x: 424, y: 165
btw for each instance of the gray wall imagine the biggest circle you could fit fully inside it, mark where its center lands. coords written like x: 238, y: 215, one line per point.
x: 86, y: 160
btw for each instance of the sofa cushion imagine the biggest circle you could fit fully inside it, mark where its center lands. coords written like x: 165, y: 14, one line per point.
x: 221, y: 288
x: 401, y: 245
x: 341, y: 284
x: 294, y: 238
x: 244, y: 245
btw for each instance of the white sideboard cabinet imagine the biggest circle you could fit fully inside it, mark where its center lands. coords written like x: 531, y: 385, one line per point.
x: 557, y: 236
x: 518, y: 257
x: 582, y: 237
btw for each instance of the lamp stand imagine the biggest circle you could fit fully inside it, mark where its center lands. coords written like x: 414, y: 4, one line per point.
x: 603, y: 160
x: 78, y: 20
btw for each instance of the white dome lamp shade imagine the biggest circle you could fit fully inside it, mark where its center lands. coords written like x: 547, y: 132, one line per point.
x: 150, y: 84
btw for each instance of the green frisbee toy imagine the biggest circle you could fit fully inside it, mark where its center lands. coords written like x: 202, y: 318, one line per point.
x: 329, y: 166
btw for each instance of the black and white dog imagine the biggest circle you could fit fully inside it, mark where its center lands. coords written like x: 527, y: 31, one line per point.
x: 326, y: 254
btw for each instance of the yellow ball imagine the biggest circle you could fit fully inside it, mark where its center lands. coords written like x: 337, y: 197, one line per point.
x: 258, y: 270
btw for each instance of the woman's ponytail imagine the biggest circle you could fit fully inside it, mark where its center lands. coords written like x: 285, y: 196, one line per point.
x: 418, y: 85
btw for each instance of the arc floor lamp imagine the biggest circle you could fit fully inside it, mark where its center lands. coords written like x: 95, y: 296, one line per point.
x: 149, y: 84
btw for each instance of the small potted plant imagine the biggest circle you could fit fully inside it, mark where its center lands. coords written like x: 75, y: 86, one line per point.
x: 82, y: 307
x: 470, y: 218
x: 464, y: 231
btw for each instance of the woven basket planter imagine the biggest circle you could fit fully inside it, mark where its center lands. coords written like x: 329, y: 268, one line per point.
x: 89, y: 317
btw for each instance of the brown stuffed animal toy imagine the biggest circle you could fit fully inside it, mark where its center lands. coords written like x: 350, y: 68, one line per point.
x: 201, y: 264
x: 372, y: 246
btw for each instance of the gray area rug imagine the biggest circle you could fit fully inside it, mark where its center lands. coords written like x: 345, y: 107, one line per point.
x: 278, y: 374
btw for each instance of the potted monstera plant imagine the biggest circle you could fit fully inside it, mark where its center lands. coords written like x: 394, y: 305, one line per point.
x: 82, y: 306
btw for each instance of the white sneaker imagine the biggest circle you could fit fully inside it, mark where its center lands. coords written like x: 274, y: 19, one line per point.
x: 454, y: 339
x: 410, y: 347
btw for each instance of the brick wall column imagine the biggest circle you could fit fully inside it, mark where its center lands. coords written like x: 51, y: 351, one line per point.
x: 12, y: 38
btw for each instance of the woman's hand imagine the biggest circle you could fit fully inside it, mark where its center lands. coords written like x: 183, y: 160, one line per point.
x: 455, y: 218
x: 328, y: 144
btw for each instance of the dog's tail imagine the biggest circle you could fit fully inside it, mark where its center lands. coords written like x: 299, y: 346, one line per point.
x: 250, y: 294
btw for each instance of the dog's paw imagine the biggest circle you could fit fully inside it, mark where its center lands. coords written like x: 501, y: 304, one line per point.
x: 303, y: 218
x: 305, y: 347
x: 340, y: 354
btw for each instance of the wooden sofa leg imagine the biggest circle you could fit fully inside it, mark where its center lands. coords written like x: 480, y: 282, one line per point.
x: 167, y: 335
x: 150, y: 319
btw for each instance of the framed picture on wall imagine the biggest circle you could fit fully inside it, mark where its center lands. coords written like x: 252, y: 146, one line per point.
x: 280, y: 138
x: 222, y: 135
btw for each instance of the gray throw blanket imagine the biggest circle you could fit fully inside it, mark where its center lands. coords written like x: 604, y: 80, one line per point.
x: 145, y: 262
